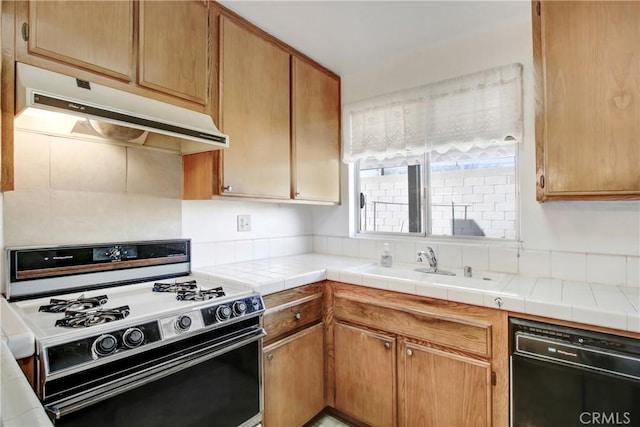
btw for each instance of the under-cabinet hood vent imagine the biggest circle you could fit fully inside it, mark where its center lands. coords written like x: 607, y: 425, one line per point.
x: 86, y: 109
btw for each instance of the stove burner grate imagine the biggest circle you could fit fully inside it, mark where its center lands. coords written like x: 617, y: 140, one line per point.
x: 202, y: 295
x: 190, y: 285
x: 84, y: 319
x: 81, y: 303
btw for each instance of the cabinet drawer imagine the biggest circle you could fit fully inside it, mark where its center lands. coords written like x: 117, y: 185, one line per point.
x: 448, y: 331
x: 291, y: 317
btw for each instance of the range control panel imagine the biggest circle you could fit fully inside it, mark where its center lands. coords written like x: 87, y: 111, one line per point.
x: 230, y: 310
x: 79, y: 352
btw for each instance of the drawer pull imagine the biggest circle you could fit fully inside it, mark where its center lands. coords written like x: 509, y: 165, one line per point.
x: 387, y: 345
x: 409, y: 352
x: 297, y: 315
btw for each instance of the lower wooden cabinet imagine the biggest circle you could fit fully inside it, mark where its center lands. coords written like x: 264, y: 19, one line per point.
x: 293, y: 356
x: 294, y: 378
x: 360, y: 391
x: 440, y: 388
x: 403, y: 360
x: 383, y: 358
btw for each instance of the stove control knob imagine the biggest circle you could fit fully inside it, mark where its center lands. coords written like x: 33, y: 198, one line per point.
x: 132, y: 337
x: 183, y: 323
x: 239, y: 308
x: 223, y: 312
x: 105, y: 345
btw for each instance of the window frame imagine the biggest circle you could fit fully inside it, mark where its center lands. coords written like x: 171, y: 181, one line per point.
x: 426, y: 207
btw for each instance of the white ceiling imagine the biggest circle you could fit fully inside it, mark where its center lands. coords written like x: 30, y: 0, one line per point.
x: 347, y: 36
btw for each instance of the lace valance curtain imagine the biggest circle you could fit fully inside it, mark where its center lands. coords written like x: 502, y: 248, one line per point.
x: 393, y: 126
x: 464, y: 116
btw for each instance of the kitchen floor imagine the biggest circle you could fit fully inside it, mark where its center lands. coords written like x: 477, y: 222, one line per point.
x: 329, y: 421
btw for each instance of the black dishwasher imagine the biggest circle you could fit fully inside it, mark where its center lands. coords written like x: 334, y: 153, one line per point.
x: 563, y: 376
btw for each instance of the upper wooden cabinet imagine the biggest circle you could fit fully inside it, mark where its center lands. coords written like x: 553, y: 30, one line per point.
x: 254, y: 112
x: 174, y: 48
x: 316, y: 133
x: 588, y: 102
x: 282, y: 114
x: 96, y: 35
x: 95, y: 40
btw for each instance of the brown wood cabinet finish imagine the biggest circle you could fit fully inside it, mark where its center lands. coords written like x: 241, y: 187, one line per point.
x: 587, y: 64
x: 95, y: 35
x: 464, y: 344
x: 281, y: 111
x: 451, y: 331
x: 173, y: 49
x: 315, y: 133
x: 254, y: 82
x: 27, y: 365
x: 7, y: 73
x: 440, y: 388
x: 294, y: 356
x: 291, y: 311
x: 365, y: 380
x: 294, y: 378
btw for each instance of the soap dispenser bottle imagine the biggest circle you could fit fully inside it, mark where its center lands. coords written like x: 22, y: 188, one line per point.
x: 386, y: 259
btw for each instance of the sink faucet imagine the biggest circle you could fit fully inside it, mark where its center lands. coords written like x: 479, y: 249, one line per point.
x: 430, y: 256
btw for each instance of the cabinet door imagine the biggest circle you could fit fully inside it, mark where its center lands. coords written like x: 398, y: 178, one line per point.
x: 95, y: 35
x: 174, y: 48
x: 294, y: 378
x: 316, y: 133
x: 589, y: 120
x: 440, y: 389
x: 254, y: 81
x: 365, y: 380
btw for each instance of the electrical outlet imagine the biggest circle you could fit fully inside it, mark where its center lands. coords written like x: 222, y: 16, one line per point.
x: 244, y: 222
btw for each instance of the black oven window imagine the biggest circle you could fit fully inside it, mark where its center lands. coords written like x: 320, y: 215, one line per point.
x: 221, y: 392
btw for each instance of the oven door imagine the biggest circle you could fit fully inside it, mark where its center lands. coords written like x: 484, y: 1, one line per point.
x: 218, y: 385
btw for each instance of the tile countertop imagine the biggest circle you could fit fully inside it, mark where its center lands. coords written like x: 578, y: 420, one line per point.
x: 15, y: 332
x: 608, y: 306
x: 20, y: 406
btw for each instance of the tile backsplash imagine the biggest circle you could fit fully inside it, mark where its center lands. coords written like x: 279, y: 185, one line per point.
x: 622, y: 270
x: 226, y: 252
x: 64, y: 196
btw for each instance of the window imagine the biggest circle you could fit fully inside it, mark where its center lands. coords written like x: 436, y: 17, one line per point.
x: 439, y: 160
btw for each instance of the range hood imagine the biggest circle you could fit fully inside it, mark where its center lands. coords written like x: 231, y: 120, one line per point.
x: 56, y: 104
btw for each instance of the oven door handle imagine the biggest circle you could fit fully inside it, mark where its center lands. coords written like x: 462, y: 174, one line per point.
x: 59, y: 409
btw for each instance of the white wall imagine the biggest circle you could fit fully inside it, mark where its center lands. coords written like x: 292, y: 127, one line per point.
x: 583, y: 227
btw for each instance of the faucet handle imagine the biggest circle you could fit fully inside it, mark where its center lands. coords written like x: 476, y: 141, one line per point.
x: 433, y: 261
x: 420, y: 256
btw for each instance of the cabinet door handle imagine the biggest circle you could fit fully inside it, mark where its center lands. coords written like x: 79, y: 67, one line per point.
x: 297, y: 316
x: 226, y: 188
x: 541, y: 181
x: 387, y: 345
x: 409, y: 352
x: 270, y: 356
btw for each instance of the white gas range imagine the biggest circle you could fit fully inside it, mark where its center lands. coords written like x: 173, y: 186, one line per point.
x: 123, y: 324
